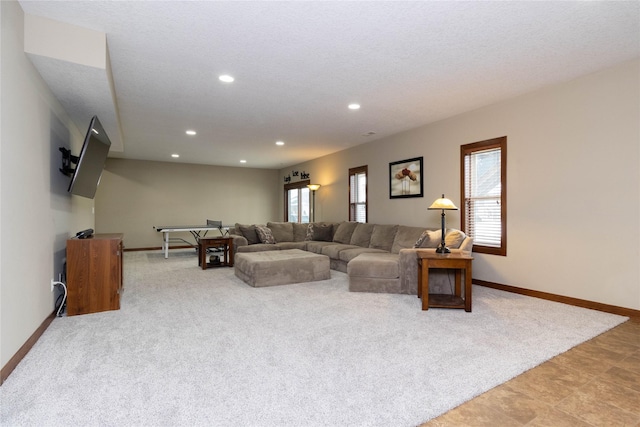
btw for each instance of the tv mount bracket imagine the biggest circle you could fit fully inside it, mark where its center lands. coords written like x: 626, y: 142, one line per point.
x: 67, y: 159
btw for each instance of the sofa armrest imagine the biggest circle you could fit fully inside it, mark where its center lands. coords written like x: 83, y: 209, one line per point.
x: 238, y: 241
x: 408, y: 265
x: 408, y: 268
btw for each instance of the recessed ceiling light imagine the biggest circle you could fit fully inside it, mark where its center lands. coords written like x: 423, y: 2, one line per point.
x: 190, y: 132
x: 243, y: 161
x: 279, y: 142
x: 354, y: 106
x: 175, y: 156
x: 226, y: 78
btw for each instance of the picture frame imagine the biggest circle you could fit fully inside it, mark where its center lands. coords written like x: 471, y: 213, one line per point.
x: 405, y: 178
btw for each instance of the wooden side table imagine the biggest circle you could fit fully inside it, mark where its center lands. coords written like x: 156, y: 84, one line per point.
x: 457, y: 261
x: 226, y: 243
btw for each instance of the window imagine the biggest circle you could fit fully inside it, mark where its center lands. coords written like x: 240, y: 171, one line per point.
x: 484, y: 194
x: 296, y: 196
x: 358, y: 194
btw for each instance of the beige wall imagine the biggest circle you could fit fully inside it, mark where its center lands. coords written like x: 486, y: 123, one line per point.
x: 574, y: 188
x: 37, y: 215
x: 135, y: 195
x: 573, y: 184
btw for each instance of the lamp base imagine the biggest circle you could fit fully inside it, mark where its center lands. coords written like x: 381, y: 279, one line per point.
x: 443, y: 250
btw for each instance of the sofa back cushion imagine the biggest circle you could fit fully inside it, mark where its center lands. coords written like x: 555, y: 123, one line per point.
x: 344, y: 231
x: 406, y: 237
x: 282, y: 231
x: 382, y: 236
x: 249, y: 233
x: 299, y: 231
x: 362, y: 235
x: 265, y: 234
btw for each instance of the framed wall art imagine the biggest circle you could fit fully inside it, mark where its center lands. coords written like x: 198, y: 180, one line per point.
x: 405, y: 178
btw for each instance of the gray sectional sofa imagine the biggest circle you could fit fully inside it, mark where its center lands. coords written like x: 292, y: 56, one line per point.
x: 376, y: 257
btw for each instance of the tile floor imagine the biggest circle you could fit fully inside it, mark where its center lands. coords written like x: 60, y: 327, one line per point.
x: 594, y: 384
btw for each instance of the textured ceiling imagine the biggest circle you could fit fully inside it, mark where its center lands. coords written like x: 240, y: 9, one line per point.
x: 298, y: 65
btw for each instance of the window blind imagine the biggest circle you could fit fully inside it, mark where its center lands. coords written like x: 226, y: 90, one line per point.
x: 483, y: 191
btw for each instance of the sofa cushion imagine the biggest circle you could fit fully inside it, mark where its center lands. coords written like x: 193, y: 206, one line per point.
x: 362, y: 235
x: 259, y: 247
x: 378, y: 265
x: 344, y: 231
x: 299, y: 231
x: 405, y: 238
x: 282, y: 231
x: 265, y: 235
x: 382, y: 236
x: 347, y: 255
x: 333, y: 251
x: 249, y: 233
x: 316, y: 247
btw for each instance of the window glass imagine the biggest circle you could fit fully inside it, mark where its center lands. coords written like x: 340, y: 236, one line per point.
x: 297, y: 207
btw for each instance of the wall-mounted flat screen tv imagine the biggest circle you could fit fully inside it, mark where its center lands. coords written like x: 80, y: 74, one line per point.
x: 91, y: 160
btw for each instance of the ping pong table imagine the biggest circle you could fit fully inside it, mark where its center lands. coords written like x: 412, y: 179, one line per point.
x: 197, y: 231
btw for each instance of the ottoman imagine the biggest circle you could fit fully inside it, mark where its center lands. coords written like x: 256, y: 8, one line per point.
x: 283, y: 267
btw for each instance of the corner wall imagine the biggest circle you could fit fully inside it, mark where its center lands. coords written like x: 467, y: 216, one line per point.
x: 136, y: 195
x: 573, y: 184
x: 37, y: 214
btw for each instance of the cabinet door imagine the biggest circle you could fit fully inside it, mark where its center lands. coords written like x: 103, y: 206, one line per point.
x: 78, y: 277
x: 94, y: 274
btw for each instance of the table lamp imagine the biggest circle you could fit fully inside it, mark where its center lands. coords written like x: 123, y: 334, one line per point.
x: 444, y: 205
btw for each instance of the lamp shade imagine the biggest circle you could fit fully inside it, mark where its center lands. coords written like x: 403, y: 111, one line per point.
x: 443, y: 203
x: 313, y: 187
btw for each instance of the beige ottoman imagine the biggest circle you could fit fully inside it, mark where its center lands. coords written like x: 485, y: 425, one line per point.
x: 284, y: 267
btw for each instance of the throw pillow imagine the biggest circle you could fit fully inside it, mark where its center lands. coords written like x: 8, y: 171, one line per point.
x: 323, y: 232
x: 428, y: 239
x: 454, y: 238
x: 424, y: 236
x: 265, y: 235
x: 249, y: 233
x: 309, y: 235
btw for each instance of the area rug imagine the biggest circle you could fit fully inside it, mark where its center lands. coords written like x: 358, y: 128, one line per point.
x: 191, y: 347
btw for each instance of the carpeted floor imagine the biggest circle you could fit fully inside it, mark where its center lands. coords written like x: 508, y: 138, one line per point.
x: 192, y: 347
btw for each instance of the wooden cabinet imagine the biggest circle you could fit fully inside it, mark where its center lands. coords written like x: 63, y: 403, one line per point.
x: 94, y: 274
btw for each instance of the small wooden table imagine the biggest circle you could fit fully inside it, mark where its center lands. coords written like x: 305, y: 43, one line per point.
x: 458, y: 261
x: 226, y: 243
